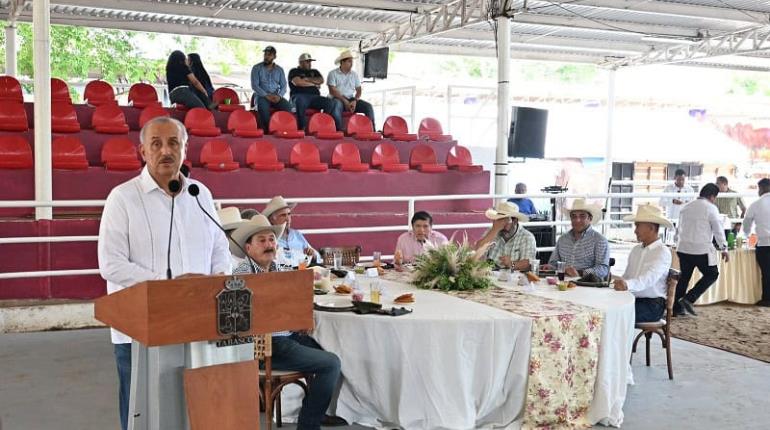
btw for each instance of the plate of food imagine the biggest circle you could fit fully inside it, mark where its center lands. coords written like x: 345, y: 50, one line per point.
x: 342, y: 289
x: 404, y: 298
x: 333, y: 307
x: 591, y: 280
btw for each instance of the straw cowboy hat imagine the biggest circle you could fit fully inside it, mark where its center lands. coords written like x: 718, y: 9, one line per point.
x: 343, y: 55
x: 506, y: 210
x: 649, y: 213
x: 230, y: 217
x: 251, y: 227
x: 592, y: 208
x: 276, y: 204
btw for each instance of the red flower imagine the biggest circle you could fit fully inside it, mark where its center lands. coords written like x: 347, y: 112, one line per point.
x: 584, y: 343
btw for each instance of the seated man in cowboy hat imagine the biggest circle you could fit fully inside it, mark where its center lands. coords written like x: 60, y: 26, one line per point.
x: 583, y: 249
x: 230, y: 217
x: 291, y: 241
x: 646, y: 274
x: 345, y: 90
x: 512, y: 245
x: 291, y: 351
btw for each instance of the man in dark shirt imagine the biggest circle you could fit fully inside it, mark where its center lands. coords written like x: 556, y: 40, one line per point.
x: 304, y: 84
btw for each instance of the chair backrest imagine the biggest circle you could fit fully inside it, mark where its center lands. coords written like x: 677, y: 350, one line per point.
x: 459, y: 156
x: 13, y: 116
x: 263, y: 347
x: 359, y: 123
x: 261, y: 152
x: 108, y: 115
x: 199, y: 118
x: 60, y: 92
x: 321, y: 122
x: 216, y: 151
x: 142, y: 95
x: 241, y: 119
x: 224, y: 93
x: 150, y: 112
x: 394, y: 125
x: 346, y: 153
x: 385, y: 153
x: 282, y: 121
x: 98, y: 93
x: 68, y: 149
x: 430, y: 126
x: 10, y: 89
x: 304, y: 152
x: 350, y: 254
x: 15, y: 152
x: 422, y: 154
x: 119, y: 149
x: 671, y: 281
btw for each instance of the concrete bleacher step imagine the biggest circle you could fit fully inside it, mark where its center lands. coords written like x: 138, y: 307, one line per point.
x: 17, y: 316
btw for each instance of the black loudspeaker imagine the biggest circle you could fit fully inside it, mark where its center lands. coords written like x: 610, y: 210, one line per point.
x: 527, y: 136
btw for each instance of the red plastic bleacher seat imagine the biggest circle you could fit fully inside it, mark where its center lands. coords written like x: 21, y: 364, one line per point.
x: 423, y: 158
x: 13, y: 116
x: 431, y: 129
x: 347, y: 158
x: 459, y: 158
x: 243, y: 123
x: 360, y: 127
x: 284, y: 125
x: 142, y: 95
x: 109, y: 118
x: 15, y: 153
x: 10, y: 90
x: 60, y: 92
x: 395, y: 128
x: 385, y: 156
x: 222, y: 94
x: 321, y: 125
x: 309, y: 112
x: 98, y: 93
x: 306, y: 158
x: 263, y: 157
x: 68, y: 153
x: 64, y: 119
x: 217, y: 156
x: 150, y: 112
x: 120, y: 153
x: 200, y: 122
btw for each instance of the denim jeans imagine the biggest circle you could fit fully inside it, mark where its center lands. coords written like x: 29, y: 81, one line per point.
x: 763, y: 261
x: 312, y: 101
x: 263, y: 109
x: 362, y: 106
x: 649, y: 309
x: 688, y: 263
x: 123, y: 359
x: 302, y: 353
x: 189, y: 98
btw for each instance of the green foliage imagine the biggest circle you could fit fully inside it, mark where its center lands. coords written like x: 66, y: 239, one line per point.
x: 451, y: 267
x: 469, y: 67
x: 747, y: 86
x: 570, y: 73
x: 245, y: 52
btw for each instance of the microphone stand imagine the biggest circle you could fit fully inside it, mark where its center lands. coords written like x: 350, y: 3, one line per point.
x: 173, y: 186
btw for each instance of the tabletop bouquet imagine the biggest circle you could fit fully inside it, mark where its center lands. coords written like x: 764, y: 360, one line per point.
x: 452, y: 266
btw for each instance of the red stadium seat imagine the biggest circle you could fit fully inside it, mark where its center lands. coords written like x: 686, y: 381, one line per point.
x: 243, y: 123
x: 98, y: 93
x: 306, y: 158
x: 262, y: 156
x: 385, y: 156
x: 63, y: 118
x: 217, y: 156
x: 347, y: 158
x: 15, y: 153
x: 459, y: 158
x: 395, y: 128
x: 423, y: 158
x: 10, y: 90
x: 200, y: 122
x: 68, y: 153
x: 150, y: 112
x: 142, y: 95
x: 322, y: 126
x: 109, y: 118
x: 284, y: 124
x: 13, y: 117
x: 431, y: 129
x: 222, y: 94
x: 120, y: 153
x: 360, y: 127
x: 60, y: 92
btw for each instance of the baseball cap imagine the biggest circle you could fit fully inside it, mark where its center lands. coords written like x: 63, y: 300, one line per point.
x: 269, y: 48
x: 306, y: 57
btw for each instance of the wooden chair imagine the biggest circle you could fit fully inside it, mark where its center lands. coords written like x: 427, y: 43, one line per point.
x: 271, y: 381
x: 350, y: 255
x: 663, y: 327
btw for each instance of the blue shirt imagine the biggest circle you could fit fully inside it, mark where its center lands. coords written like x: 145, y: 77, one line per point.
x: 266, y: 81
x: 525, y: 205
x: 294, y: 240
x: 589, y: 253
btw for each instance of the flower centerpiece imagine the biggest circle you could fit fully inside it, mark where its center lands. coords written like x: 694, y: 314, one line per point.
x: 452, y: 267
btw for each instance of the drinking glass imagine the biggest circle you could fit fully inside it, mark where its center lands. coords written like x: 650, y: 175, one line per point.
x: 376, y: 258
x: 560, y: 268
x: 337, y: 259
x: 374, y: 292
x: 505, y: 275
x: 534, y: 266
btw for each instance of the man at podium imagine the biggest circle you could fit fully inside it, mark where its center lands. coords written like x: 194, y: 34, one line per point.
x: 152, y: 229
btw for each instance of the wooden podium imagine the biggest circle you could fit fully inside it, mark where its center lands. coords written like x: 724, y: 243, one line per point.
x: 164, y: 317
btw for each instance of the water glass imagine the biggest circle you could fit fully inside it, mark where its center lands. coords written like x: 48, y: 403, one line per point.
x: 505, y: 275
x: 561, y: 267
x: 337, y: 256
x: 376, y: 258
x: 534, y: 266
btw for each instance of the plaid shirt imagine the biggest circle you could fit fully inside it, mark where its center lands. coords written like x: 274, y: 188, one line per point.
x: 521, y: 246
x: 589, y: 253
x: 245, y: 268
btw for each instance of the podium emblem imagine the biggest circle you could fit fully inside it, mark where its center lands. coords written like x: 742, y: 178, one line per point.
x: 234, y: 312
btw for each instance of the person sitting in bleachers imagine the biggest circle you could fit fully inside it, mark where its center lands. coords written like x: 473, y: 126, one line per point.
x: 268, y: 81
x: 345, y: 89
x: 304, y: 84
x: 292, y: 242
x: 512, y: 245
x: 182, y: 83
x: 196, y: 65
x: 420, y: 238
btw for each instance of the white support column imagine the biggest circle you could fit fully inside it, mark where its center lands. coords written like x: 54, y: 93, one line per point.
x: 10, y: 49
x: 610, y: 127
x: 41, y: 30
x: 503, y: 103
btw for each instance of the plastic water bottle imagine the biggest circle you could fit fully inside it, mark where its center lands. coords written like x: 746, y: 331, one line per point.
x: 731, y: 240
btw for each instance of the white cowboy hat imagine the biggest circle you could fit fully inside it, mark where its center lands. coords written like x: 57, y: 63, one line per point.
x: 276, y: 204
x: 343, y: 55
x: 649, y: 213
x: 251, y: 227
x: 506, y: 210
x: 592, y: 208
x: 230, y: 217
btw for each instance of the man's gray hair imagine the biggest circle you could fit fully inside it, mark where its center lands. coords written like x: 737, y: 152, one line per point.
x: 161, y: 120
x: 520, y: 187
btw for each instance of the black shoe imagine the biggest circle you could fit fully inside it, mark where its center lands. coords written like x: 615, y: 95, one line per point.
x: 333, y: 421
x: 680, y: 314
x: 687, y: 306
x: 765, y: 303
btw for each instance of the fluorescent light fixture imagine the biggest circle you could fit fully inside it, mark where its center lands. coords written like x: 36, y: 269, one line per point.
x: 669, y: 40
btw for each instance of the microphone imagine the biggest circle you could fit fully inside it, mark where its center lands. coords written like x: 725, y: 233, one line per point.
x: 174, y: 186
x: 194, y: 190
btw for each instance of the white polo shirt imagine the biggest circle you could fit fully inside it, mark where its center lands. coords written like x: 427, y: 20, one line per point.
x: 345, y: 83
